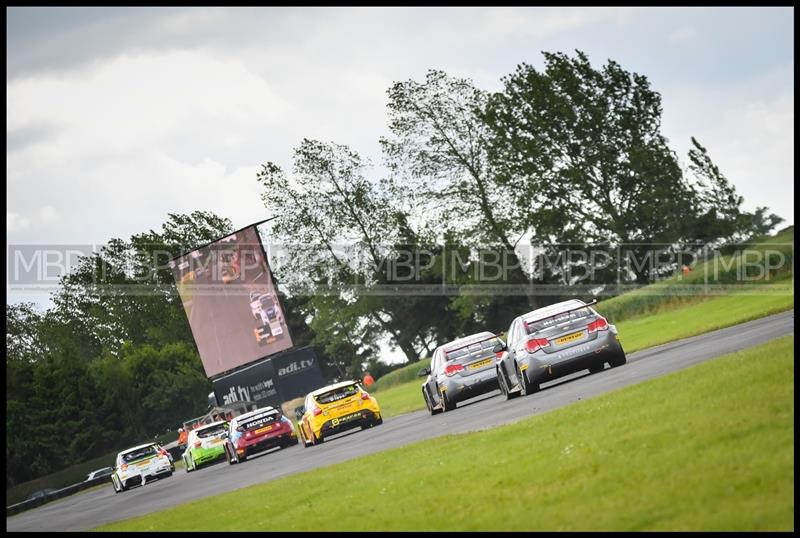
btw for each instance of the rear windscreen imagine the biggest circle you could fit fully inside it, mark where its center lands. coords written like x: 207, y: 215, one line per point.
x: 139, y: 454
x: 546, y: 323
x: 478, y: 348
x: 337, y: 394
x: 258, y: 420
x: 211, y: 432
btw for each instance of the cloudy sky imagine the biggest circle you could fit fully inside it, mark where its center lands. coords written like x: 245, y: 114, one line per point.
x: 116, y: 117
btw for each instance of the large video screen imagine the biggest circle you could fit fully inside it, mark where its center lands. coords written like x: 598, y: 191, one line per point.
x: 230, y: 299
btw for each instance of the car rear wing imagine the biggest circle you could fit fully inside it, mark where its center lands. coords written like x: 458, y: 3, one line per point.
x: 472, y: 343
x: 527, y: 321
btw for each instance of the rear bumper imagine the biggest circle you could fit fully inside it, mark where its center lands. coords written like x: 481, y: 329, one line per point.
x: 271, y: 440
x: 203, y: 455
x: 463, y: 388
x: 347, y: 422
x: 544, y: 367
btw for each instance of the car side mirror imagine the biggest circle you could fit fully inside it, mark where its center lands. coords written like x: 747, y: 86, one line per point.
x: 423, y: 372
x: 499, y: 347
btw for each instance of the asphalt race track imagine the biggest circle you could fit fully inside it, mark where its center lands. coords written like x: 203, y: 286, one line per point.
x: 84, y: 511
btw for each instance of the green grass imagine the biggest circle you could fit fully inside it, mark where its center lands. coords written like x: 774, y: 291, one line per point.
x: 636, y: 334
x: 683, y: 290
x: 60, y: 479
x: 707, y: 448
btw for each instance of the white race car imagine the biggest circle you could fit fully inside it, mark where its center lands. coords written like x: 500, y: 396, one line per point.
x: 267, y: 312
x: 136, y: 465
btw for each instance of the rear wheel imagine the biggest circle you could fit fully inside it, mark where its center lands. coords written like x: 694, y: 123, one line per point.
x: 432, y: 410
x: 526, y: 386
x: 619, y: 360
x: 597, y: 368
x: 501, y: 380
x: 187, y: 465
x: 447, y: 403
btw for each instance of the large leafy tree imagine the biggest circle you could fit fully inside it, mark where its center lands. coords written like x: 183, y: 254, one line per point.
x: 582, y: 150
x: 344, y: 231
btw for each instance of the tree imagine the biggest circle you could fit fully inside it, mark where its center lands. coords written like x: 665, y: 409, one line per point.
x: 719, y: 214
x: 345, y: 231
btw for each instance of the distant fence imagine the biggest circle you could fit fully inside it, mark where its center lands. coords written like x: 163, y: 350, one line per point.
x: 58, y: 494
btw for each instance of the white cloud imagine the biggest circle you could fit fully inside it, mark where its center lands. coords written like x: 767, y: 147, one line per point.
x: 684, y: 33
x: 15, y: 221
x: 48, y: 214
x: 748, y: 130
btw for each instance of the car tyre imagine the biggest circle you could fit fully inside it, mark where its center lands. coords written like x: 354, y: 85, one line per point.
x: 501, y: 380
x: 186, y: 465
x: 526, y: 386
x: 431, y: 409
x: 619, y: 360
x: 597, y: 368
x: 447, y: 403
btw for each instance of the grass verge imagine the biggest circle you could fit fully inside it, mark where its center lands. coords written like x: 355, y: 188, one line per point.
x: 636, y: 334
x: 708, y: 448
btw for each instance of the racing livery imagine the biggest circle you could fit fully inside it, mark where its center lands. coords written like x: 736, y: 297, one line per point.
x: 135, y: 465
x: 337, y: 408
x: 555, y: 341
x: 267, y: 313
x: 205, y: 444
x: 460, y: 370
x: 257, y: 431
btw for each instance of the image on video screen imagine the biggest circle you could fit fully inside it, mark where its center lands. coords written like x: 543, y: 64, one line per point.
x: 231, y: 302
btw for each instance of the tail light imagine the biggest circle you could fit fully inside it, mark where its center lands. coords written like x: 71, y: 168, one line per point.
x: 198, y: 443
x: 364, y: 395
x: 123, y: 466
x: 162, y: 452
x: 453, y: 369
x: 535, y: 344
x: 317, y: 411
x: 248, y: 434
x: 600, y: 324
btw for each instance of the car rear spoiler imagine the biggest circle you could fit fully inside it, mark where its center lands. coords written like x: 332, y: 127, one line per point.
x: 590, y: 303
x: 473, y: 343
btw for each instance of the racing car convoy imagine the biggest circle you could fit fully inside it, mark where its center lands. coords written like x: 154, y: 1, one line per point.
x: 541, y: 345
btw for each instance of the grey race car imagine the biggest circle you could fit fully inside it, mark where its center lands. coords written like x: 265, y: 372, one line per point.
x: 460, y: 370
x: 555, y: 341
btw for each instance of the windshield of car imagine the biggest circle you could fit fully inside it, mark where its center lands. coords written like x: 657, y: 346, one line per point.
x: 139, y: 453
x: 478, y: 347
x: 337, y: 394
x: 545, y: 323
x: 212, y: 431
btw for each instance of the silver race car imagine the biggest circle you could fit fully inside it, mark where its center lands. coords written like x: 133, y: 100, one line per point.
x: 555, y: 341
x: 460, y: 370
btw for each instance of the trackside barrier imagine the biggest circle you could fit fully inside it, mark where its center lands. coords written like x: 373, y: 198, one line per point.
x: 59, y: 494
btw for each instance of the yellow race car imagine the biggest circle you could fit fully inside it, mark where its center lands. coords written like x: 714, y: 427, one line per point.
x: 334, y: 409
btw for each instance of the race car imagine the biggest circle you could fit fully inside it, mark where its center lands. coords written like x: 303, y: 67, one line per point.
x: 205, y: 444
x: 256, y: 431
x: 555, y: 341
x: 134, y: 466
x: 265, y: 309
x: 460, y: 370
x: 337, y: 408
